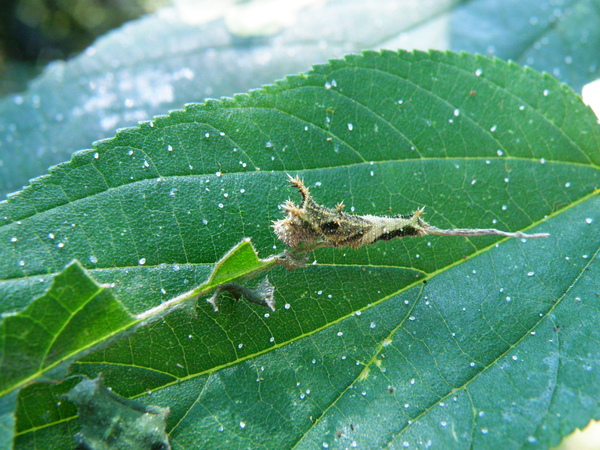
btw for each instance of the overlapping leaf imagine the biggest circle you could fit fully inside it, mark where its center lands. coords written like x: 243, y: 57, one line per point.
x: 560, y: 39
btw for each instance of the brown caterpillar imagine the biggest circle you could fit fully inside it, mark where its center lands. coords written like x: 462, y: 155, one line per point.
x: 313, y: 224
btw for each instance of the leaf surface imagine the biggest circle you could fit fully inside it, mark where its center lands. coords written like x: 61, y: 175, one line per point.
x: 67, y: 320
x: 456, y: 341
x: 76, y: 315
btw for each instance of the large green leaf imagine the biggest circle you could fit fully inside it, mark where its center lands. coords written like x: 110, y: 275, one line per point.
x: 456, y: 341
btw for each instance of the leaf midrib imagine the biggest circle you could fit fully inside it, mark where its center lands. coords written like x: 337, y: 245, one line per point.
x: 314, y: 169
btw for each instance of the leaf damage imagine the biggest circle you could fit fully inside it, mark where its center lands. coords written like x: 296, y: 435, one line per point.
x: 109, y: 421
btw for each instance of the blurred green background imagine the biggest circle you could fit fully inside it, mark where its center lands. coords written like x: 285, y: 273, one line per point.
x: 35, y: 32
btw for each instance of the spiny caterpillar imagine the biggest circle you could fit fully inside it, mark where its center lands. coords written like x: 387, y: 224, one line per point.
x: 312, y: 224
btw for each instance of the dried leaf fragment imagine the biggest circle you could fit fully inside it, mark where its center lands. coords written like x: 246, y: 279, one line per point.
x: 262, y: 294
x: 109, y: 421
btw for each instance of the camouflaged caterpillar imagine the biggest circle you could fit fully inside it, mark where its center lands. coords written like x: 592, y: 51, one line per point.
x: 315, y: 225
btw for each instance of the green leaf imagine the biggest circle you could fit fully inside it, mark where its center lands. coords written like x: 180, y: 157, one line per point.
x: 69, y: 319
x: 457, y: 341
x: 185, y: 56
x: 240, y: 261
